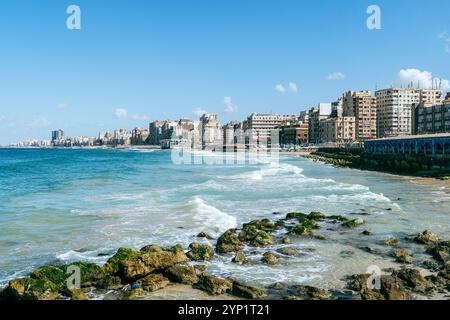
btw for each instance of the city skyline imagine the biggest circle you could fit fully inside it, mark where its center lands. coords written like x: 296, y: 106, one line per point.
x: 128, y: 66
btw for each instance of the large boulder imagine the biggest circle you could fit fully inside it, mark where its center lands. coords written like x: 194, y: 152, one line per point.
x: 288, y: 251
x: 302, y: 292
x: 411, y: 277
x: 30, y: 289
x: 318, y: 216
x: 228, y: 242
x: 300, y: 231
x: 139, y: 264
x: 440, y: 251
x: 213, y: 285
x: 153, y: 282
x: 248, y: 292
x: 427, y: 237
x: 182, y: 274
x: 204, y: 235
x: 112, y: 266
x: 390, y: 288
x: 200, y: 252
x: 240, y: 258
x: 353, y: 223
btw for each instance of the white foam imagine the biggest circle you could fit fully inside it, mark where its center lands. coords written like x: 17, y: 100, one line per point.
x: 215, y: 220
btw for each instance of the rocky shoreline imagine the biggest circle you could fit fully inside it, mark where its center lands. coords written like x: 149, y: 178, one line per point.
x: 140, y: 274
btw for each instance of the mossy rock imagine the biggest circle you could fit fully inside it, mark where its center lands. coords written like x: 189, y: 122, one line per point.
x: 112, y: 266
x: 270, y: 258
x: 200, y: 252
x: 55, y: 275
x: 353, y: 223
x: 228, y: 242
x: 262, y: 239
x: 337, y: 218
x: 248, y: 292
x: 182, y: 274
x: 310, y: 224
x: 318, y: 216
x: 297, y: 215
x: 151, y: 248
x: 153, y: 282
x: 213, y: 285
x: 31, y: 289
x: 300, y: 231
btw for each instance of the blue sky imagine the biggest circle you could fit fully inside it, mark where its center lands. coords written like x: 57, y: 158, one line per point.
x: 167, y: 59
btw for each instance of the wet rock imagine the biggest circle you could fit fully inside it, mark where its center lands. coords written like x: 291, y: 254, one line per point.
x: 278, y: 286
x: 288, y: 251
x: 141, y: 264
x: 300, y: 231
x: 431, y: 265
x: 388, y: 287
x: 317, y: 216
x: 370, y: 250
x: 204, y: 235
x: 240, y: 258
x: 353, y: 223
x: 264, y: 224
x: 270, y: 258
x: 182, y: 274
x: 286, y: 240
x: 241, y: 290
x: 228, y: 242
x: 110, y: 282
x: 411, y: 277
x: 112, y: 266
x: 262, y: 239
x: 309, y: 293
x: 213, y: 285
x: 440, y: 251
x: 427, y: 237
x: 391, y: 241
x: 296, y: 215
x: 310, y: 224
x: 133, y: 294
x: 76, y: 294
x: 153, y: 282
x: 151, y: 248
x: 200, y: 252
x: 280, y: 224
x: 337, y: 218
x: 402, y: 256
x: 392, y: 289
x: 366, y: 233
x: 199, y: 268
x: 30, y: 289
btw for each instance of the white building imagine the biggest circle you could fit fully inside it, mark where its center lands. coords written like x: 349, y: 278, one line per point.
x: 259, y: 127
x: 395, y: 108
x: 210, y: 131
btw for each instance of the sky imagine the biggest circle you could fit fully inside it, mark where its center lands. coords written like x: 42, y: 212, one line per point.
x: 136, y: 61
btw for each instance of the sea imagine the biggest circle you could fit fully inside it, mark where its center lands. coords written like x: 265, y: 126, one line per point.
x: 66, y: 205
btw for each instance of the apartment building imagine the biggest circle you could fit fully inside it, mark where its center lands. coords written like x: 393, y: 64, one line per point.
x: 339, y: 130
x: 361, y: 105
x: 432, y: 119
x: 294, y: 133
x: 210, y: 131
x: 323, y: 111
x: 259, y: 127
x: 395, y: 108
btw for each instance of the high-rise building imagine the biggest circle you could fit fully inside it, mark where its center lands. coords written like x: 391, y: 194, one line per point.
x: 432, y: 119
x: 363, y: 106
x: 155, y: 131
x: 57, y: 135
x: 295, y: 133
x: 323, y: 111
x: 395, y: 108
x: 139, y: 136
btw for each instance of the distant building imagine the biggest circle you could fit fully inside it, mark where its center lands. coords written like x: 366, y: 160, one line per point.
x: 323, y: 111
x: 432, y: 119
x: 363, y: 106
x: 447, y: 98
x: 122, y: 137
x: 210, y: 131
x: 294, y: 134
x: 139, y: 136
x: 57, y: 136
x: 341, y: 130
x: 155, y: 132
x: 395, y: 108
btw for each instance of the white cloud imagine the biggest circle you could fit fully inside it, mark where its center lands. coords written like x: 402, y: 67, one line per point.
x: 336, y: 76
x: 422, y: 78
x: 139, y: 117
x: 199, y: 112
x: 121, y: 113
x: 229, y: 105
x: 40, y: 122
x: 293, y: 87
x: 62, y: 106
x: 280, y: 88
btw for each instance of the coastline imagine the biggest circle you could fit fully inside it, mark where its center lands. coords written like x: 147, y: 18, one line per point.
x: 154, y: 272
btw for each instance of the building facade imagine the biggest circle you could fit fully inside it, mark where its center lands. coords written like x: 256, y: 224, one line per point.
x: 295, y: 134
x: 341, y: 130
x: 395, y: 108
x: 363, y: 106
x: 139, y: 136
x: 323, y: 111
x: 210, y: 131
x: 259, y: 127
x: 432, y: 119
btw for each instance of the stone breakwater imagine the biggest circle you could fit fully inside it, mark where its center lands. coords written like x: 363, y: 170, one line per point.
x: 131, y: 274
x: 424, y: 166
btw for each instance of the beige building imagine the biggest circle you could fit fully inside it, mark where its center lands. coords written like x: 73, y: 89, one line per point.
x: 339, y: 130
x: 210, y: 131
x: 259, y: 127
x: 395, y: 108
x: 363, y: 106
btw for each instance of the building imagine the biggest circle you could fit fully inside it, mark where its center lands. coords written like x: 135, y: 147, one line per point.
x: 363, y: 106
x: 340, y: 130
x: 447, y: 98
x: 294, y: 134
x: 121, y: 137
x: 395, y: 108
x: 155, y: 131
x: 210, y: 131
x: 323, y: 111
x: 259, y: 127
x: 139, y: 136
x: 57, y: 136
x: 432, y: 119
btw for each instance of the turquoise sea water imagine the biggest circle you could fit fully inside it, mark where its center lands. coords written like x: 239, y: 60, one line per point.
x: 66, y: 205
